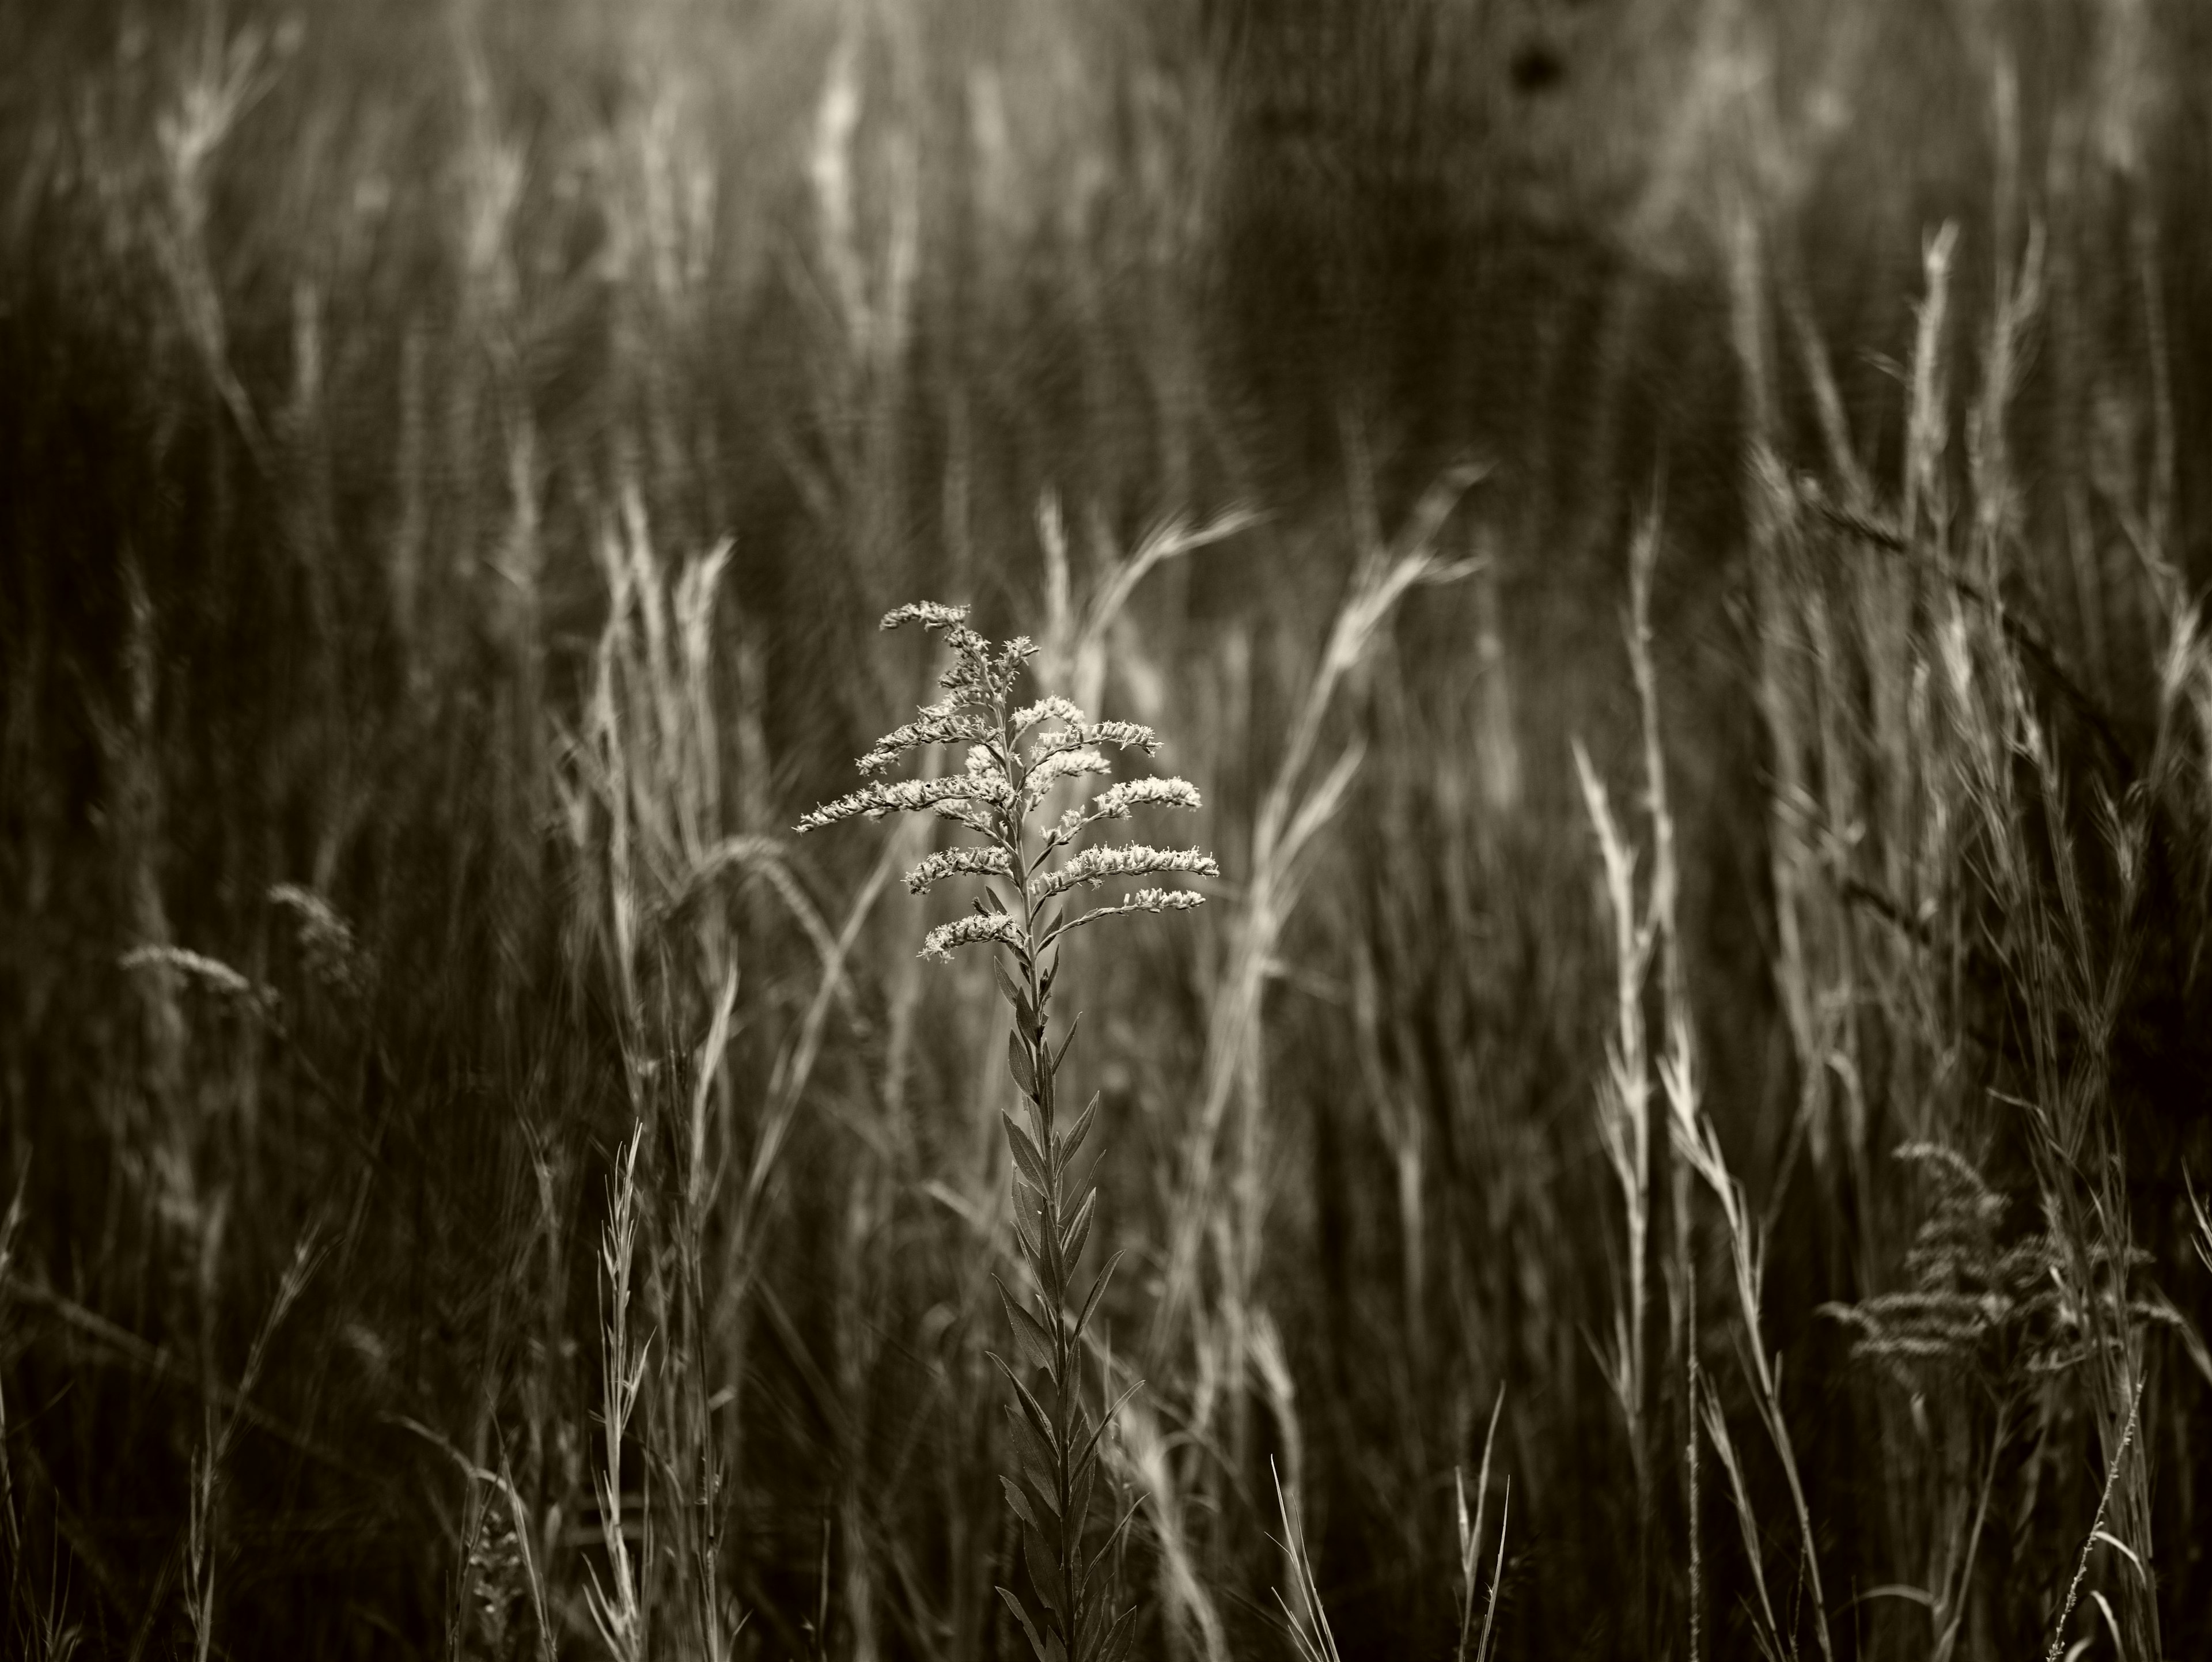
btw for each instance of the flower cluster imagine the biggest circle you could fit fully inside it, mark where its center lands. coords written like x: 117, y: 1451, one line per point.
x: 1144, y: 900
x: 908, y: 796
x: 1087, y: 735
x: 958, y: 862
x: 1060, y: 765
x: 994, y: 927
x: 1016, y: 758
x: 1050, y: 708
x: 930, y: 614
x: 1095, y: 865
x: 937, y: 724
x: 1115, y: 801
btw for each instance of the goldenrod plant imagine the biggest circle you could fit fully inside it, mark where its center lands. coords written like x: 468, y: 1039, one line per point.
x: 1038, y: 871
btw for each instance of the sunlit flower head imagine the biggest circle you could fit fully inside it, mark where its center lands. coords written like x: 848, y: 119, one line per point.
x: 1000, y: 786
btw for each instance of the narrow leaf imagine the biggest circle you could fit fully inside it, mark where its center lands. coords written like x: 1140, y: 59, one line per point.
x: 1105, y: 1550
x: 1025, y: 1233
x: 1497, y: 1574
x: 1018, y: 1065
x: 1078, y: 1503
x: 1088, y: 1630
x: 1098, y: 1430
x: 1061, y: 1054
x: 1026, y: 1157
x: 1044, y: 1575
x: 1459, y: 1495
x: 1034, y: 1455
x: 1036, y: 1345
x: 1097, y: 1288
x: 1116, y: 1647
x: 1025, y: 1405
x: 1043, y: 1539
x: 1029, y: 1627
x: 1073, y: 1140
x: 2118, y: 1545
x: 1079, y: 1230
x: 1017, y: 1500
x: 1016, y: 999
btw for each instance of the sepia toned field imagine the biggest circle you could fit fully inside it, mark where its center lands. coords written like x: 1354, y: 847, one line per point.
x: 1661, y: 544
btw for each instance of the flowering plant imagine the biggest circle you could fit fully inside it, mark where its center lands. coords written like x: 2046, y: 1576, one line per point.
x: 1037, y: 872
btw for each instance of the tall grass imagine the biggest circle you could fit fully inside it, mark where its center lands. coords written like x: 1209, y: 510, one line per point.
x: 1732, y: 1084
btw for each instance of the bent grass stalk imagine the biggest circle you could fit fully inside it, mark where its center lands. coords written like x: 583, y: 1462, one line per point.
x: 1031, y: 874
x: 1692, y: 1138
x: 2097, y: 1532
x: 1308, y: 1624
x: 1470, y: 1543
x: 618, y: 1609
x: 204, y: 1518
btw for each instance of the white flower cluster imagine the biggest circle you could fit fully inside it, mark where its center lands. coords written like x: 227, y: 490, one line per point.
x: 1050, y: 708
x: 1116, y: 802
x: 985, y: 798
x: 966, y: 861
x: 937, y: 724
x: 1151, y: 900
x: 997, y: 927
x: 1165, y: 900
x: 1037, y: 782
x: 1145, y: 900
x: 1095, y: 865
x: 1080, y: 734
x: 930, y: 614
x: 982, y: 677
x: 962, y: 811
x: 909, y: 796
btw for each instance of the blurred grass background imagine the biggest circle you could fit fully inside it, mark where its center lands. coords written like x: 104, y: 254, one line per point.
x: 453, y: 454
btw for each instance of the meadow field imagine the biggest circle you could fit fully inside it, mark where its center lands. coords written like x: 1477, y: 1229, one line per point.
x: 1667, y: 539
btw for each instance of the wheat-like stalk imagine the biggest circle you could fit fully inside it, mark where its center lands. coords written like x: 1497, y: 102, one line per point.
x: 617, y: 1607
x: 1034, y: 868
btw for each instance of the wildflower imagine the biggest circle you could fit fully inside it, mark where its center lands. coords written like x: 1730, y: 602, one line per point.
x: 1144, y: 900
x: 993, y: 796
x: 997, y: 787
x: 1050, y: 708
x: 1080, y: 734
x: 1095, y: 865
x: 938, y: 724
x: 999, y: 928
x: 930, y: 614
x: 907, y: 796
x: 1060, y: 764
x: 958, y: 862
x: 1115, y: 801
x: 1163, y: 900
